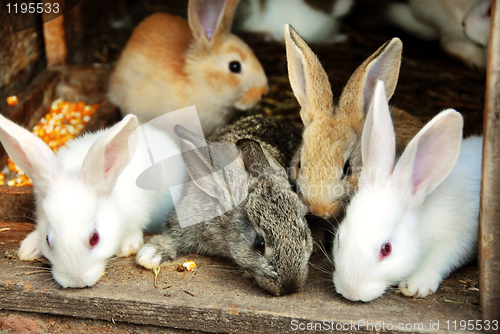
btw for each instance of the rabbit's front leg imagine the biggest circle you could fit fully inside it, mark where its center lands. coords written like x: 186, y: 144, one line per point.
x: 426, y: 279
x: 131, y: 244
x: 30, y: 247
x: 157, y: 250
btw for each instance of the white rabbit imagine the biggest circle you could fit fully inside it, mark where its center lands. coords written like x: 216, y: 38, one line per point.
x: 443, y: 20
x: 477, y: 22
x: 88, y: 205
x: 318, y: 21
x: 414, y: 223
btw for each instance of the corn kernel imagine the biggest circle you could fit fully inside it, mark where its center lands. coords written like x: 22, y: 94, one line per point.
x: 12, y: 100
x: 189, y: 265
x: 13, y: 167
x: 64, y: 121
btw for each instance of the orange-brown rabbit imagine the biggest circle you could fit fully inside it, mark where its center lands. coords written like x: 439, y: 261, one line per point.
x: 327, y: 165
x: 170, y: 63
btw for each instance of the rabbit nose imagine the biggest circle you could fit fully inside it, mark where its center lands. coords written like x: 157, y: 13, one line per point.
x: 291, y: 286
x: 254, y: 95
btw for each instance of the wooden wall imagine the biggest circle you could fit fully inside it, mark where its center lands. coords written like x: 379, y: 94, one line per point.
x: 22, y: 54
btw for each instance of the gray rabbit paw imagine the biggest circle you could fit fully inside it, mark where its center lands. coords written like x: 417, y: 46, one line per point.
x: 158, y: 250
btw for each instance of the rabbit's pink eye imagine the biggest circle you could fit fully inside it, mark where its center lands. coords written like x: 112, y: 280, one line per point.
x: 94, y: 238
x: 385, y: 251
x: 235, y: 66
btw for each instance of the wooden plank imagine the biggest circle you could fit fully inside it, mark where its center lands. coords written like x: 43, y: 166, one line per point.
x: 216, y: 297
x: 88, y: 21
x: 54, y: 33
x: 489, y: 232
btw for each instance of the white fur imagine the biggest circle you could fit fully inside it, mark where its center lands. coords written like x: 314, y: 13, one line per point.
x: 444, y: 20
x: 314, y: 25
x: 74, y: 197
x: 427, y: 208
x: 477, y: 23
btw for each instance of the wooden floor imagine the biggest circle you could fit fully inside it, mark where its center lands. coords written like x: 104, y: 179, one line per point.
x: 217, y: 297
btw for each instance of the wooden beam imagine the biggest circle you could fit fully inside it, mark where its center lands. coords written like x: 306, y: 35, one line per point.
x: 489, y: 230
x: 54, y: 33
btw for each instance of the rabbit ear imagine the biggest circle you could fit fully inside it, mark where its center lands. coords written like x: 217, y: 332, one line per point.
x: 382, y: 65
x: 378, y: 143
x: 109, y: 155
x: 199, y: 163
x: 30, y: 153
x: 255, y: 160
x: 210, y: 19
x: 430, y: 156
x: 308, y: 78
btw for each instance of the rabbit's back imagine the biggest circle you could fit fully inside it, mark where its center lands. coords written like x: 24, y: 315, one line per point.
x: 280, y: 139
x: 151, y: 65
x: 163, y: 39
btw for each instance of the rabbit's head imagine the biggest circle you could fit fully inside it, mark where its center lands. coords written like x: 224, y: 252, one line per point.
x: 262, y: 219
x: 78, y: 230
x: 326, y: 167
x: 220, y: 61
x: 379, y: 242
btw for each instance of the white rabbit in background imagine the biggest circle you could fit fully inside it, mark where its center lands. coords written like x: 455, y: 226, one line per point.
x: 461, y: 26
x: 317, y: 21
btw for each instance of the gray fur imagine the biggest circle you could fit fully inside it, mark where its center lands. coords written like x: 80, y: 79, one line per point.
x: 271, y: 209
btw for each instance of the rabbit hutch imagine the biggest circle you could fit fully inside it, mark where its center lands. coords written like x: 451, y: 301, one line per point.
x: 70, y: 54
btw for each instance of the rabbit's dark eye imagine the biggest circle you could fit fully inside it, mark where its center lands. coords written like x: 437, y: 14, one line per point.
x: 94, y: 238
x: 235, y: 66
x: 47, y: 239
x: 260, y: 244
x: 347, y: 169
x: 385, y: 250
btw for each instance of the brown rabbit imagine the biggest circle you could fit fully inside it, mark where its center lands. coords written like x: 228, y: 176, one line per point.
x: 327, y: 165
x: 170, y: 63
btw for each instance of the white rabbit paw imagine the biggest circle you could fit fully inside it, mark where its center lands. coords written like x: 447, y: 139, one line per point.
x: 155, y: 252
x: 419, y: 287
x: 30, y: 247
x: 130, y: 245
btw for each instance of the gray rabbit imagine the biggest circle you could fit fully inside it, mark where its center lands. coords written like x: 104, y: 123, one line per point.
x: 266, y: 234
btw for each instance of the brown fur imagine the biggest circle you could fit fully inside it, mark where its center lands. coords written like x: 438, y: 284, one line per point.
x: 170, y: 63
x: 332, y: 135
x: 213, y: 78
x: 235, y: 49
x: 164, y: 49
x: 253, y: 94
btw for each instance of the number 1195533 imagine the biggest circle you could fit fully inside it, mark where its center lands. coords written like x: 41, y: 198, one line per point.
x: 39, y: 8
